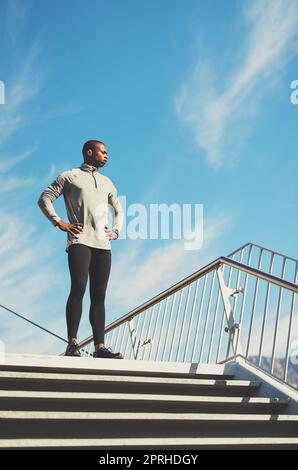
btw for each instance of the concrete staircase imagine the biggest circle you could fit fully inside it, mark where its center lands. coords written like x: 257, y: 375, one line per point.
x: 66, y: 402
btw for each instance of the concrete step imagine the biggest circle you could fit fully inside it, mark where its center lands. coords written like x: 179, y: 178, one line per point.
x: 262, y: 443
x: 17, y: 380
x: 89, y: 365
x: 80, y: 401
x: 49, y: 424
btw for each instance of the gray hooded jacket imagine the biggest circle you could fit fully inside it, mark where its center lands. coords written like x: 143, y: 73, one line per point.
x: 87, y: 196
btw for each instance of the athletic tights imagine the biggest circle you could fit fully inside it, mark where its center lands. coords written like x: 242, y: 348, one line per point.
x: 84, y: 260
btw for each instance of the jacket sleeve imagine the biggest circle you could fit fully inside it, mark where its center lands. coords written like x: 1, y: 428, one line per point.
x: 117, y: 209
x: 52, y: 192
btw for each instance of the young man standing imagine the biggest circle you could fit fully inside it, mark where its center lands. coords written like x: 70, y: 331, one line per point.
x: 87, y: 194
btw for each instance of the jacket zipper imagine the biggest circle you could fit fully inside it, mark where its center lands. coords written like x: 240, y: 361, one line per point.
x: 94, y: 179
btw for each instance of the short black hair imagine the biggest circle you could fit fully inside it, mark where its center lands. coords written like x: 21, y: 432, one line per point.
x: 90, y: 143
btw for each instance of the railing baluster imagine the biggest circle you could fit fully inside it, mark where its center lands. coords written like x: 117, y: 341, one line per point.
x: 191, y: 317
x: 254, y: 305
x: 112, y: 338
x: 176, y: 321
x: 277, y: 318
x: 169, y: 324
x: 241, y: 248
x: 146, y: 333
x: 133, y: 335
x: 213, y: 325
x: 223, y: 316
x: 285, y: 375
x: 141, y: 337
x: 265, y: 312
x: 149, y: 327
x: 162, y: 324
x: 238, y: 347
x: 244, y: 296
x: 207, y: 317
x: 127, y: 339
x: 183, y: 321
x: 153, y: 336
x: 117, y: 336
x: 199, y: 317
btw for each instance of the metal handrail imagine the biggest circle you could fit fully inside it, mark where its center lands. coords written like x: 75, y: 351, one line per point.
x: 157, y: 298
x: 260, y: 274
x: 274, y: 257
x: 189, y: 279
x: 261, y: 248
x: 197, y: 312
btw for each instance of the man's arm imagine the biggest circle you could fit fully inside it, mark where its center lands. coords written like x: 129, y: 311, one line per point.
x: 45, y: 203
x: 52, y: 192
x: 117, y: 210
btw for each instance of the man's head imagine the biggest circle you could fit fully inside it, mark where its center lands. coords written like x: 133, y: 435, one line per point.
x: 95, y: 153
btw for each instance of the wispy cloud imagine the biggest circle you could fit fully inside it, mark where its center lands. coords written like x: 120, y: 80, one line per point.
x: 16, y: 12
x: 24, y: 83
x: 22, y: 87
x: 216, y: 117
x: 12, y: 183
x: 8, y: 163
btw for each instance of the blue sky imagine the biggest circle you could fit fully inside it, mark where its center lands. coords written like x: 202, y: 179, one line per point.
x: 193, y: 101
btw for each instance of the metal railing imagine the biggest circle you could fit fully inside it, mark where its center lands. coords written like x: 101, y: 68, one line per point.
x: 224, y: 309
x: 266, y: 260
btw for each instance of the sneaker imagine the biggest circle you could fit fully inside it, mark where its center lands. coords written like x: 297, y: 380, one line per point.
x: 72, y: 350
x: 106, y: 353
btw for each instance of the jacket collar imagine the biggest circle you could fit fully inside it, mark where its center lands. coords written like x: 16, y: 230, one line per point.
x: 87, y: 167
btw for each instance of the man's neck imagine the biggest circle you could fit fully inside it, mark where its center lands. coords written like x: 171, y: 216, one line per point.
x: 89, y: 166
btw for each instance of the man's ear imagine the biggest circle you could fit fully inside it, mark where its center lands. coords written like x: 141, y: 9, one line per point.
x: 89, y: 152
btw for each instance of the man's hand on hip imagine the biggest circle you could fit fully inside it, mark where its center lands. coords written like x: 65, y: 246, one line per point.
x: 111, y: 234
x: 73, y: 229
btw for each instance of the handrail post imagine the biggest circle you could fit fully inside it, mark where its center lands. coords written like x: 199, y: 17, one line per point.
x: 226, y: 293
x: 135, y: 341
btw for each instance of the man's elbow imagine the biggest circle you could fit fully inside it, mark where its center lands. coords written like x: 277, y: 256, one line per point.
x: 40, y: 201
x: 43, y: 201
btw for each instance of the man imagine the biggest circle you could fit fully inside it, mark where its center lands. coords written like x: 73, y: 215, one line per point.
x: 87, y: 194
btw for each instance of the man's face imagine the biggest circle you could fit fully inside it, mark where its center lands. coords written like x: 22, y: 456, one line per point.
x: 99, y: 155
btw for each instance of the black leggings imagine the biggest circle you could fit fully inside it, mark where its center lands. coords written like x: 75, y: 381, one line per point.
x: 83, y: 259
